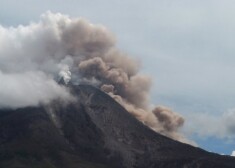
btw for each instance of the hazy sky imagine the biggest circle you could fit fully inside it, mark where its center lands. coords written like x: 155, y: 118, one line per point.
x: 186, y: 46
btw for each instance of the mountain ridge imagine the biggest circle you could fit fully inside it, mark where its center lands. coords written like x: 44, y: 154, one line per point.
x: 95, y: 131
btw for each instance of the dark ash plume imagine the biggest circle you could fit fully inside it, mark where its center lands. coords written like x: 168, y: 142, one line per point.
x: 77, y: 51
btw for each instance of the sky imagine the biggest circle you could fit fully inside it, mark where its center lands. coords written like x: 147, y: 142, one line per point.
x: 185, y: 46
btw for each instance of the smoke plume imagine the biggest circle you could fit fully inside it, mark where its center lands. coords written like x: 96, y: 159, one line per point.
x: 32, y: 57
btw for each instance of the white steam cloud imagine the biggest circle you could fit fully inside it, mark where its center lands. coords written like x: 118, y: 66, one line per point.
x: 32, y: 57
x: 29, y: 89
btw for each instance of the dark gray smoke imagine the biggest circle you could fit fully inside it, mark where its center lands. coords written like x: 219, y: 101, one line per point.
x: 32, y: 57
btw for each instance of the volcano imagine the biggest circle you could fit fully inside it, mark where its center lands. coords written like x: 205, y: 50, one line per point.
x: 92, y: 132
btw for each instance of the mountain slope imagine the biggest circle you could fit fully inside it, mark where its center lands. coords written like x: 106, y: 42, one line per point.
x: 93, y: 132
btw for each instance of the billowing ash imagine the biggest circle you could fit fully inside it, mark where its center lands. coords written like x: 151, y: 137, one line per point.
x: 32, y: 57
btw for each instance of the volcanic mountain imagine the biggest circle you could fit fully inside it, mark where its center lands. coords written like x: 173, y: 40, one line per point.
x: 92, y: 132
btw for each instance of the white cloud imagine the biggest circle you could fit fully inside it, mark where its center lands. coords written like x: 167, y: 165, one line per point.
x: 211, y: 125
x: 233, y: 153
x: 31, y: 58
x: 29, y: 89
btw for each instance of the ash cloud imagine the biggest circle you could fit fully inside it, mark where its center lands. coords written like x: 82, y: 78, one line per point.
x: 32, y: 57
x: 168, y: 119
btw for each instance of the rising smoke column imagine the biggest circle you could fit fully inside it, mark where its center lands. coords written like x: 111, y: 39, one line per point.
x: 77, y: 51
